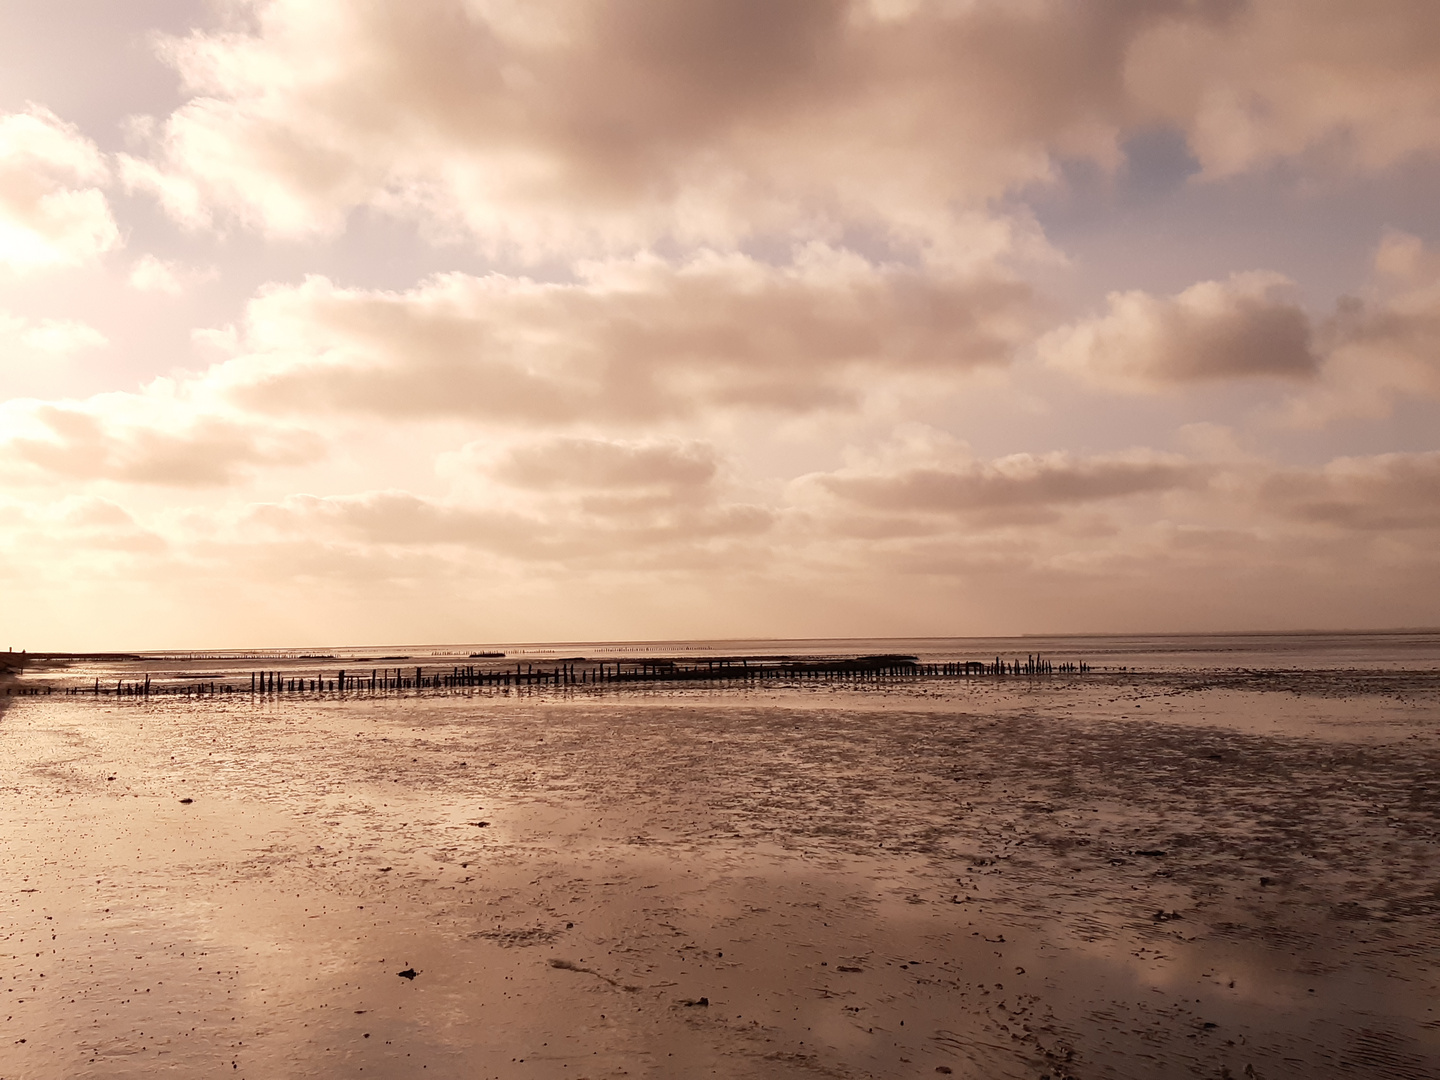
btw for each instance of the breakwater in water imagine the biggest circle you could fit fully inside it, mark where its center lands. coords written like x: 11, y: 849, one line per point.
x: 571, y: 672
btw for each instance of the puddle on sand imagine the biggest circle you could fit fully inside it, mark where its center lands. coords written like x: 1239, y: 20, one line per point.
x: 852, y: 884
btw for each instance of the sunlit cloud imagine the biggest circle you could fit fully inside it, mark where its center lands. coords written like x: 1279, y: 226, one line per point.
x: 1354, y: 85
x: 559, y: 127
x: 1248, y: 325
x: 153, y: 275
x: 53, y: 336
x: 141, y: 440
x: 602, y: 464
x: 577, y: 531
x: 878, y: 306
x: 631, y: 341
x: 1381, y: 493
x: 1384, y: 345
x: 52, y: 209
x: 1019, y: 482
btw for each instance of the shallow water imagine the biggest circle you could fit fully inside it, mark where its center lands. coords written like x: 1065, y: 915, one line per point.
x: 1156, y: 874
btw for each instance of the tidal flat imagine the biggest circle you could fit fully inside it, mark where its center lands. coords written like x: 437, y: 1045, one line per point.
x: 1120, y: 875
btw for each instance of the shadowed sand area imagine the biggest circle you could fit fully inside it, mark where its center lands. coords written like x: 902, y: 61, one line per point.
x: 1137, y: 876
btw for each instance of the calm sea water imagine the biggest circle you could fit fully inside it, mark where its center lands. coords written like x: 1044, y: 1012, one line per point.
x: 1410, y: 650
x: 1418, y: 649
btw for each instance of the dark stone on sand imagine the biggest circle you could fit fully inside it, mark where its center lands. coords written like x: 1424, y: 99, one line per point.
x: 692, y: 1002
x: 481, y: 824
x: 1154, y: 853
x: 408, y: 973
x: 187, y: 801
x: 944, y: 1069
x: 845, y: 967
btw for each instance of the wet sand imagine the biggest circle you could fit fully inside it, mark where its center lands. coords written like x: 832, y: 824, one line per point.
x: 1111, y: 877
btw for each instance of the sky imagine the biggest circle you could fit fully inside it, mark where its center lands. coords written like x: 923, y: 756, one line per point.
x: 344, y: 322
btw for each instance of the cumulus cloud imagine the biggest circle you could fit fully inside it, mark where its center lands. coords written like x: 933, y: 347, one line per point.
x: 1380, y: 493
x: 1120, y: 540
x: 53, y: 336
x: 631, y: 340
x: 552, y: 125
x: 1014, y: 481
x: 651, y: 484
x: 52, y: 210
x: 1258, y: 82
x: 917, y: 529
x: 132, y: 439
x: 1375, y: 349
x: 585, y: 464
x: 1247, y: 325
x: 572, y: 533
x: 1381, y: 346
x: 695, y: 182
x: 151, y: 274
x: 76, y: 524
x: 556, y: 500
x: 926, y: 483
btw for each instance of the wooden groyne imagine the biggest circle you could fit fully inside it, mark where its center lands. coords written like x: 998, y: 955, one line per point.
x: 573, y: 672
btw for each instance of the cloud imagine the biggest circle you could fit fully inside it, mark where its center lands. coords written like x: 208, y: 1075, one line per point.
x: 649, y: 484
x: 53, y: 336
x: 52, y: 211
x: 588, y: 464
x: 1371, y: 351
x: 75, y: 525
x: 631, y: 340
x: 557, y: 126
x: 925, y: 483
x: 919, y: 533
x: 1248, y: 325
x: 1014, y: 481
x: 565, y: 500
x: 151, y: 274
x: 135, y: 440
x: 1256, y: 83
x: 1381, y: 493
x: 571, y: 533
x: 1384, y: 345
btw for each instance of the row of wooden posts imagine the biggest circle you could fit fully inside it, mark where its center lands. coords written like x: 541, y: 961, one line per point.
x: 582, y: 673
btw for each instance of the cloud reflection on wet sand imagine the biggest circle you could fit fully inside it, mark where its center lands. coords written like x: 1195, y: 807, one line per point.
x: 1110, y: 878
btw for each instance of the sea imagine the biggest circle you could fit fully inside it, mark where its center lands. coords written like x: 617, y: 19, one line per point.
x: 1398, y: 650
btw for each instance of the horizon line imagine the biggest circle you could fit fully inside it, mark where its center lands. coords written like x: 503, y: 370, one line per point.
x: 633, y: 642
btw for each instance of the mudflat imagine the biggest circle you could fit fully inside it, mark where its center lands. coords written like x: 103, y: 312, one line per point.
x: 1114, y: 876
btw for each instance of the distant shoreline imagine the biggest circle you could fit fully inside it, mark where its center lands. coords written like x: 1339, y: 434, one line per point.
x: 408, y: 651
